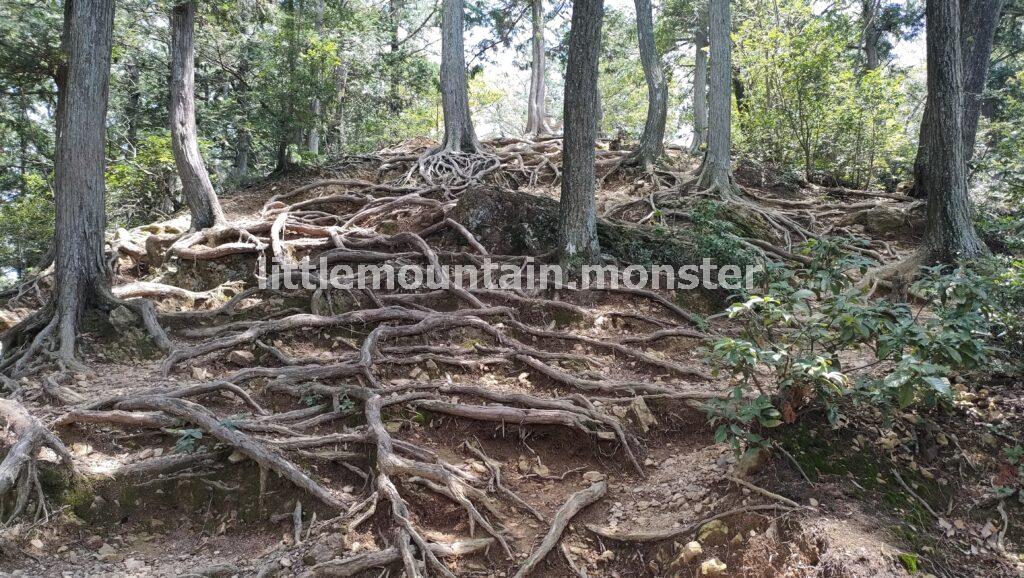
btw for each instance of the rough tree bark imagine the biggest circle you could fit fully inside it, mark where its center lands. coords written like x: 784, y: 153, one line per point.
x: 700, y: 86
x: 458, y: 124
x: 652, y: 140
x: 715, y: 172
x: 82, y: 276
x: 536, y: 114
x: 978, y: 22
x: 577, y: 223
x: 195, y: 181
x: 949, y: 233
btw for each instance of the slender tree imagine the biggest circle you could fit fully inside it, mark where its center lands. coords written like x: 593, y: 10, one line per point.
x: 536, y: 113
x: 195, y: 181
x: 313, y: 138
x: 700, y: 85
x: 949, y: 234
x: 458, y: 124
x: 577, y: 224
x: 978, y: 21
x: 716, y: 172
x: 652, y: 140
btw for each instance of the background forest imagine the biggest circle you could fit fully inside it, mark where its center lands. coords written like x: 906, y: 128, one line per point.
x: 826, y: 93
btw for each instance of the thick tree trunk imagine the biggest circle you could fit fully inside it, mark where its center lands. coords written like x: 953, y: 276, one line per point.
x: 950, y: 232
x: 536, y: 113
x: 195, y: 182
x: 716, y: 170
x: 577, y: 223
x: 978, y: 22
x: 652, y: 140
x: 700, y: 87
x: 458, y: 124
x: 82, y: 276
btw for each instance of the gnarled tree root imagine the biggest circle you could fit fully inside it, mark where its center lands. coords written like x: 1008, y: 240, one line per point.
x: 19, y: 476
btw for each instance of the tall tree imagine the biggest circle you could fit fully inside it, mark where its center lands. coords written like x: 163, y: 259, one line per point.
x: 652, y: 140
x: 536, y: 113
x: 871, y: 32
x: 716, y: 172
x: 577, y: 223
x: 978, y: 21
x: 313, y: 138
x: 458, y: 124
x: 949, y: 234
x: 700, y: 84
x: 82, y: 278
x: 195, y: 181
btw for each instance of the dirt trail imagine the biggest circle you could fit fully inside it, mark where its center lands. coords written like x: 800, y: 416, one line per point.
x: 405, y: 441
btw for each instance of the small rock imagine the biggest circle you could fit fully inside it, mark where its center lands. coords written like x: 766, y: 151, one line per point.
x: 712, y: 532
x: 241, y: 358
x: 751, y: 462
x: 593, y: 476
x: 107, y: 553
x: 133, y: 565
x: 37, y: 543
x: 690, y: 551
x: 80, y: 449
x: 236, y: 457
x: 813, y: 502
x: 644, y: 418
x: 93, y: 542
x: 607, y: 556
x: 200, y: 373
x: 712, y: 567
x: 286, y: 562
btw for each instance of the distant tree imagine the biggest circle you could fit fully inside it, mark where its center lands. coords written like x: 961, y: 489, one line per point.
x: 700, y: 85
x: 651, y: 144
x: 577, y: 223
x: 536, y: 112
x: 195, y: 181
x: 459, y: 134
x: 716, y: 170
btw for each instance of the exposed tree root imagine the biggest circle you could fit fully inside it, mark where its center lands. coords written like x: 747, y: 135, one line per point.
x: 563, y: 516
x: 360, y: 563
x: 19, y: 475
x: 459, y: 333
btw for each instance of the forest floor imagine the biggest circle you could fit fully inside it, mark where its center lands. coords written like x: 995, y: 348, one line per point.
x: 483, y: 430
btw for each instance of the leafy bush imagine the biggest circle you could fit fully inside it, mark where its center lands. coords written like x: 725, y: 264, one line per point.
x: 799, y: 335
